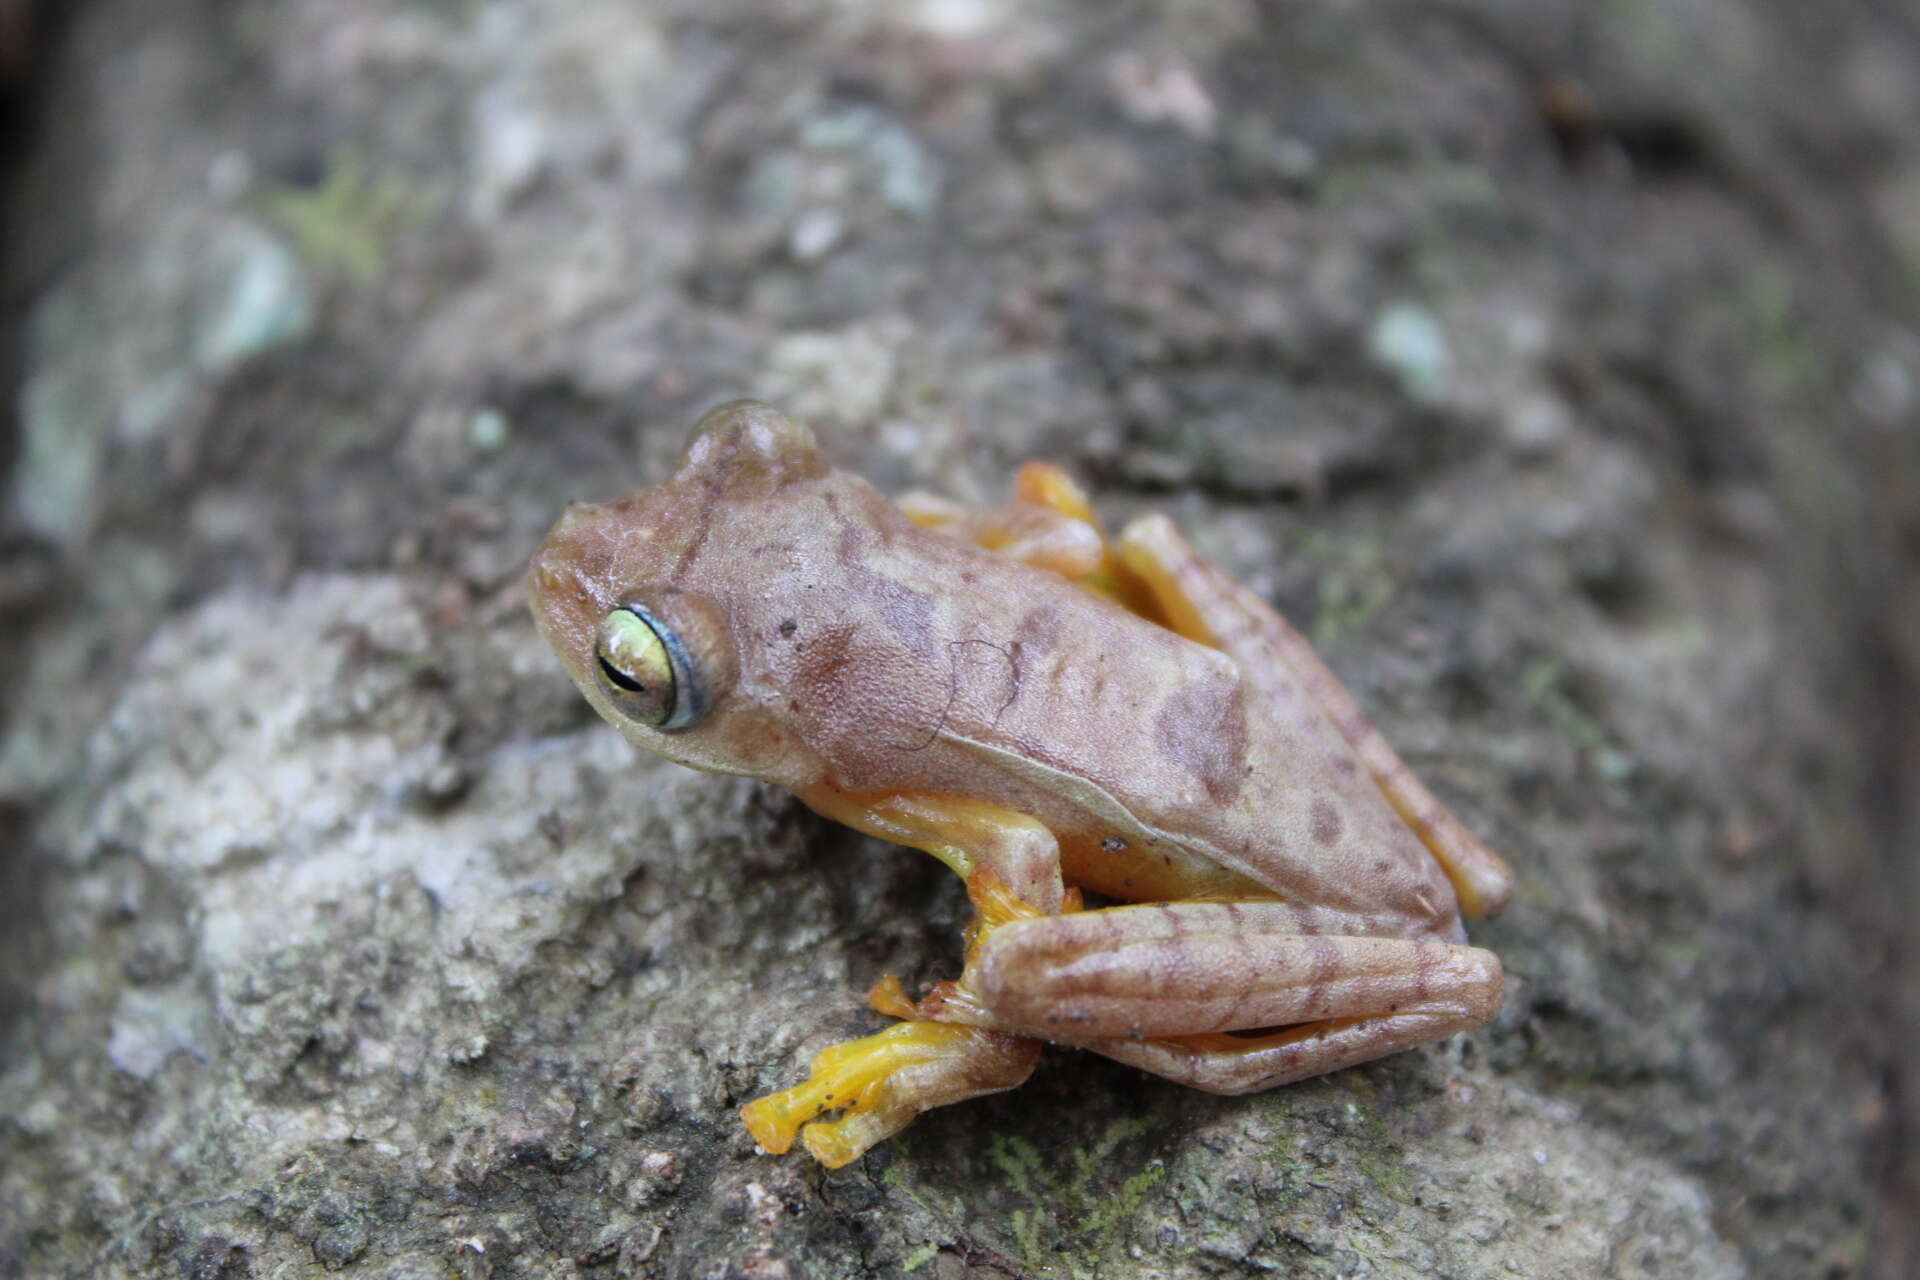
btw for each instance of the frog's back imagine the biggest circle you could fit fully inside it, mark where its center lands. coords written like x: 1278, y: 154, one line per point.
x: 925, y: 664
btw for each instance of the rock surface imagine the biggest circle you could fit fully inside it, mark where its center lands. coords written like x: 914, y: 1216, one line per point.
x: 1555, y: 364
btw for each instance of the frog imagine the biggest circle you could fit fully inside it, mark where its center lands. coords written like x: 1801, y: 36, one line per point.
x: 1183, y: 844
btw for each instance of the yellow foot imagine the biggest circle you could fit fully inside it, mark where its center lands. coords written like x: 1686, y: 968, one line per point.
x: 860, y: 1078
x: 889, y: 997
x: 1049, y: 486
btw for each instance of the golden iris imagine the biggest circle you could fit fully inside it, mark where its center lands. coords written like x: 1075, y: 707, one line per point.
x: 645, y: 669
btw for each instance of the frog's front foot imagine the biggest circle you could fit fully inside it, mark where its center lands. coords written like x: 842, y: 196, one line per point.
x: 882, y: 1081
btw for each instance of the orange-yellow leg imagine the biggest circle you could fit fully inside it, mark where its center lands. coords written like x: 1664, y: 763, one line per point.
x: 967, y: 835
x: 1031, y: 534
x: 880, y: 1082
x: 1049, y: 524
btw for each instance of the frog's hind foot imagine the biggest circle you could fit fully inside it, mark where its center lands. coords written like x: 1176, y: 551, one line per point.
x: 881, y: 1082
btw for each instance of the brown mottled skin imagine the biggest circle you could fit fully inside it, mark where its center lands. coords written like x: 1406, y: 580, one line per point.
x: 858, y: 657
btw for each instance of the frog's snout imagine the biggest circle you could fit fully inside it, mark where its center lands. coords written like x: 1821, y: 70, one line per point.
x: 571, y: 555
x: 547, y: 576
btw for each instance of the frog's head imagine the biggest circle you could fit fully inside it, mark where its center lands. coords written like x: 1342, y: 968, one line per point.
x: 641, y: 598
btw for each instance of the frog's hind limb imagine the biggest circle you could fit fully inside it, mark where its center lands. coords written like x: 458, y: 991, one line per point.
x: 1049, y: 524
x: 1025, y: 531
x: 1159, y: 986
x: 881, y: 1082
x: 1205, y: 605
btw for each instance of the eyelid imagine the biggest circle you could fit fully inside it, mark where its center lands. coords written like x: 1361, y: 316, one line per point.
x: 689, y: 697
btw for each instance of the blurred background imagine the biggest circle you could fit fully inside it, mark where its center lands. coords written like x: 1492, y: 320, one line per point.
x: 1556, y: 365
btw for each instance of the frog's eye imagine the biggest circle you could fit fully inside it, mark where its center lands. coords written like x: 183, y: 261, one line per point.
x: 647, y: 671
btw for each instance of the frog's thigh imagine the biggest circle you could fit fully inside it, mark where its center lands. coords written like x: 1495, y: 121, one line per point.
x: 1184, y: 969
x: 967, y: 835
x: 1205, y: 605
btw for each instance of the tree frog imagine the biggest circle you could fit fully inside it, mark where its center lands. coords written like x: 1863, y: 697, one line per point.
x: 1185, y: 846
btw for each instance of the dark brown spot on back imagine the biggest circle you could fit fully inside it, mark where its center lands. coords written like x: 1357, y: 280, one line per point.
x: 1325, y: 822
x: 1040, y: 628
x: 1203, y: 727
x: 823, y: 674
